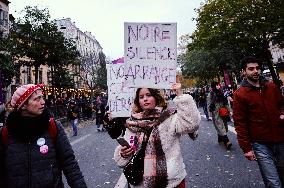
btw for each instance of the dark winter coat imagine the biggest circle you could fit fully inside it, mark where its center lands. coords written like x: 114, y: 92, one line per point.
x: 100, y: 109
x: 100, y: 112
x: 256, y: 112
x: 73, y: 112
x: 23, y: 166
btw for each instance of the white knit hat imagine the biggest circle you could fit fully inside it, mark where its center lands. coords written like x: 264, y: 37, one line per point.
x: 23, y: 93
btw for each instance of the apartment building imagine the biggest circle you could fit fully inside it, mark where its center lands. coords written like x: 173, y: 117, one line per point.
x: 4, y: 30
x: 4, y: 17
x: 87, y: 46
x: 278, y: 59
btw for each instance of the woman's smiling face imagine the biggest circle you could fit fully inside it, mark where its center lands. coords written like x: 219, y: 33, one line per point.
x: 146, y: 99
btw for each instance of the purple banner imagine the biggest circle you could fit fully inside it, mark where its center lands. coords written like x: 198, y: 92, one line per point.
x: 118, y: 61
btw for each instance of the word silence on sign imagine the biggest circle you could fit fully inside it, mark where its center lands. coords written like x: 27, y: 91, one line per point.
x: 150, y: 54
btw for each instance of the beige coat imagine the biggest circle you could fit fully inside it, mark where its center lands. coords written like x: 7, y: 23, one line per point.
x: 186, y: 120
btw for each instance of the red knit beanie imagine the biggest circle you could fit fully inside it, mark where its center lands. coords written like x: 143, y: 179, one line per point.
x: 23, y: 93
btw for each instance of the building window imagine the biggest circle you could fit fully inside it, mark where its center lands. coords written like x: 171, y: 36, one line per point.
x: 29, y: 77
x: 17, y: 80
x: 39, y: 76
x: 49, y: 77
x: 5, y: 18
x: 1, y: 16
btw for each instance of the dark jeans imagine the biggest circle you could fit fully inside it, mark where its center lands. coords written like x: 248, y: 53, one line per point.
x: 205, y: 111
x: 74, y: 124
x: 99, y: 119
x: 270, y: 158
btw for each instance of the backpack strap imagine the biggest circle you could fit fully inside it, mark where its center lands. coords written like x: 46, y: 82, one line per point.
x: 4, y: 134
x: 52, y: 129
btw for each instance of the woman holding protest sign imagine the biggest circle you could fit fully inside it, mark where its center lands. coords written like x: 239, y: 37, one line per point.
x: 153, y: 156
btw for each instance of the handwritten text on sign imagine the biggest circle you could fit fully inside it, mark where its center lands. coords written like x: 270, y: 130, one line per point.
x: 120, y: 97
x: 152, y: 46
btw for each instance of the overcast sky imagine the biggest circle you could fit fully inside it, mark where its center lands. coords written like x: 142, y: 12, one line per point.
x: 105, y: 18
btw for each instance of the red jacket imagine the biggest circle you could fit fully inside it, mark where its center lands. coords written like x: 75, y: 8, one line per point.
x: 256, y: 112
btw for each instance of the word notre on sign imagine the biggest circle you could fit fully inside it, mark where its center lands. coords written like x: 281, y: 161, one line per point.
x: 150, y: 35
x: 120, y: 96
x: 150, y: 54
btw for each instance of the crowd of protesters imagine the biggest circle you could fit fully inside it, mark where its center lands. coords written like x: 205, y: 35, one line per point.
x: 200, y: 94
x: 257, y: 107
x: 59, y: 106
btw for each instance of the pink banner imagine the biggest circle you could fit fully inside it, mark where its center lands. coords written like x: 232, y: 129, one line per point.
x: 118, y: 61
x: 226, y: 78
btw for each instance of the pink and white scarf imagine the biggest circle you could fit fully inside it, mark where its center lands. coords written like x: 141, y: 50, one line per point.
x: 155, y: 167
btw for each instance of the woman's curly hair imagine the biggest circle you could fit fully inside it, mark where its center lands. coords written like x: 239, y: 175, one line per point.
x: 160, y: 101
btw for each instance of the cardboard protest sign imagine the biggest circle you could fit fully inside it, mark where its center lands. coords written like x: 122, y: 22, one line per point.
x: 120, y: 97
x: 150, y: 54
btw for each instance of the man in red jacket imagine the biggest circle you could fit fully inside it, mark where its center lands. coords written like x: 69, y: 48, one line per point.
x: 259, y: 121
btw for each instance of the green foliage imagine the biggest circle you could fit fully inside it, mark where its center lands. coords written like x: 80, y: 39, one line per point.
x: 36, y: 41
x: 7, y: 67
x: 102, y: 72
x: 228, y: 30
x: 198, y: 63
x: 62, y: 78
x: 242, y: 24
x: 94, y: 68
x: 208, y: 64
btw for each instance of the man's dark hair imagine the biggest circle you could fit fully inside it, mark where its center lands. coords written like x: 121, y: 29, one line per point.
x: 248, y: 60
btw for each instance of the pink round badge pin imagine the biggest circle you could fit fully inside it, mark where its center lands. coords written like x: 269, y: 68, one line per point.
x: 43, y: 149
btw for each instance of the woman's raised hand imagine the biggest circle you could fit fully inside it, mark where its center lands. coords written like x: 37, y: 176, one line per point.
x: 109, y: 115
x: 177, y: 89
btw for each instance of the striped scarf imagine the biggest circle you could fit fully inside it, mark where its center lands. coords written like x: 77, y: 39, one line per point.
x: 155, y: 167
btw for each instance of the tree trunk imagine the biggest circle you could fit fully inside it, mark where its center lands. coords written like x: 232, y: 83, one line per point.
x: 92, y: 96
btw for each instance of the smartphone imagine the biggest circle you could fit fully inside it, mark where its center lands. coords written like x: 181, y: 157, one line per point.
x: 123, y: 142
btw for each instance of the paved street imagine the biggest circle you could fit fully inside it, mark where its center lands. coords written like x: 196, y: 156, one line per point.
x: 207, y: 163
x: 87, y: 58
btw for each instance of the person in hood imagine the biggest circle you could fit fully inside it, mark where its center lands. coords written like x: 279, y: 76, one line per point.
x: 29, y: 155
x: 259, y: 122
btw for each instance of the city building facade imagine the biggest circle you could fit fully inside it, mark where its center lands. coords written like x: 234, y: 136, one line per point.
x: 4, y: 30
x: 88, y: 47
x: 278, y: 59
x: 4, y: 18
